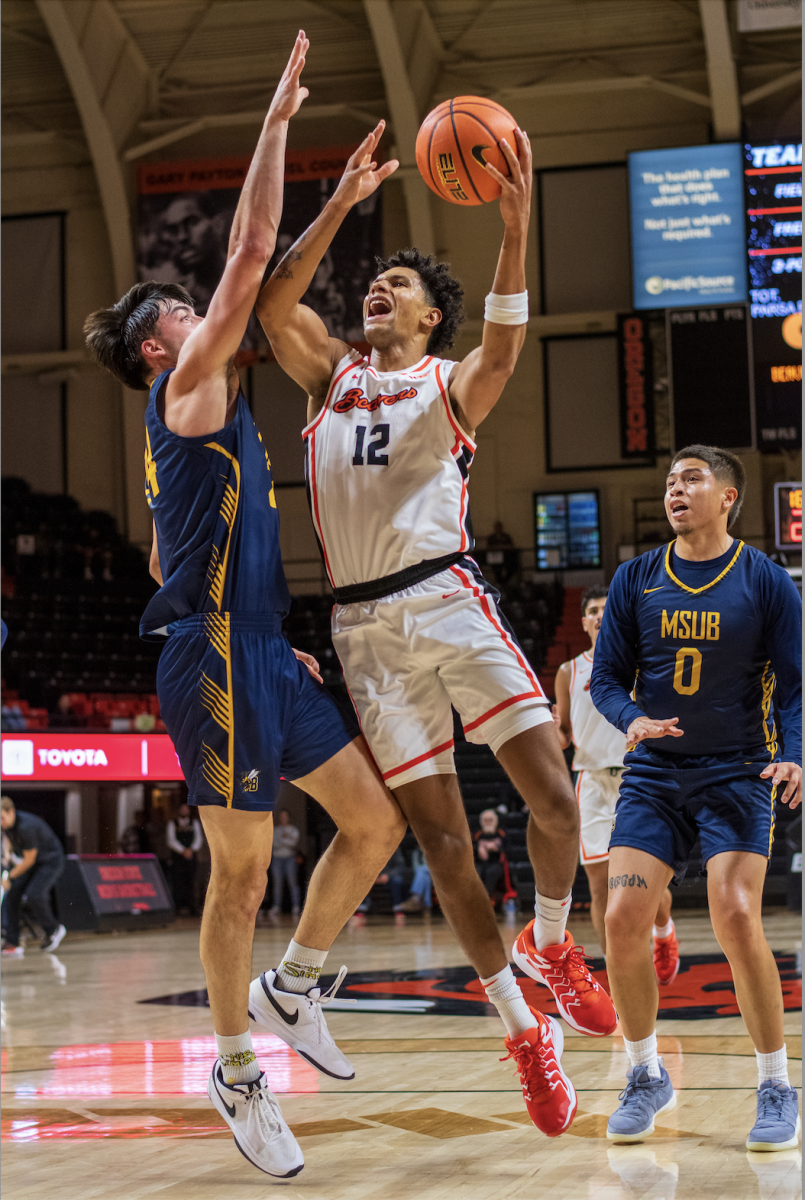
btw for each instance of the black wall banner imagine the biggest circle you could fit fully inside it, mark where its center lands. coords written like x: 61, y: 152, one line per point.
x: 636, y: 386
x: 185, y: 212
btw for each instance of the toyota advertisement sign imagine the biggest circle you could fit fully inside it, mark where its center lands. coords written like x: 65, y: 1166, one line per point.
x: 688, y: 240
x: 50, y: 757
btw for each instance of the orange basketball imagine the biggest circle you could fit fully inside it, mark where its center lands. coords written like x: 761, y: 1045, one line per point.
x: 456, y: 140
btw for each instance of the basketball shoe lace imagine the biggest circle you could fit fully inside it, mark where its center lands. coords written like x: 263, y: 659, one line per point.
x: 533, y: 1065
x: 574, y: 969
x: 637, y: 1095
x: 316, y: 999
x: 770, y: 1105
x: 664, y: 950
x: 263, y: 1111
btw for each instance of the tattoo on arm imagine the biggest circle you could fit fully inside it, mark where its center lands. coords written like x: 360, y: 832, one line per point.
x: 284, y: 271
x: 627, y: 881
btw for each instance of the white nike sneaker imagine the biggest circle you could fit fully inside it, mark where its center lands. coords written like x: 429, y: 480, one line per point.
x: 252, y: 1113
x: 298, y: 1019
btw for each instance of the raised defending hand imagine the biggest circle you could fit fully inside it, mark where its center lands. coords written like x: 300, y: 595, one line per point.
x: 289, y: 95
x: 310, y: 663
x: 646, y: 727
x: 515, y: 197
x: 362, y: 175
x: 792, y: 774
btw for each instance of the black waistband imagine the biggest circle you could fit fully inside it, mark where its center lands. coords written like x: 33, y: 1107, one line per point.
x: 376, y: 589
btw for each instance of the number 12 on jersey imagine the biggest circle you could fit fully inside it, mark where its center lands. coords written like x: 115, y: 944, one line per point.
x: 377, y: 442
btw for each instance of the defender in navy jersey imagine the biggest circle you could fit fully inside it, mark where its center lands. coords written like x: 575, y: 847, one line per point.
x: 240, y: 706
x: 699, y: 640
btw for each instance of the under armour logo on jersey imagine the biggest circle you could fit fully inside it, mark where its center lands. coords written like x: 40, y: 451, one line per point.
x: 249, y: 781
x: 357, y: 398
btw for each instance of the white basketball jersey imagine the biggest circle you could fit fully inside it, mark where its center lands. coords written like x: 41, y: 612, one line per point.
x: 387, y: 470
x: 598, y: 744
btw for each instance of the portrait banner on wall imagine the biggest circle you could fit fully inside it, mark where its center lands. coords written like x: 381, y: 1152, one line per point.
x: 185, y: 212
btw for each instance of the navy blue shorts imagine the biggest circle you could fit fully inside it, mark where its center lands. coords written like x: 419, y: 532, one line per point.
x: 666, y: 801
x: 242, y: 711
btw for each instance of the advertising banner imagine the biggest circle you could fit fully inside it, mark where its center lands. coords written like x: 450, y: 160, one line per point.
x: 636, y: 386
x: 52, y: 757
x: 185, y: 212
x: 688, y: 242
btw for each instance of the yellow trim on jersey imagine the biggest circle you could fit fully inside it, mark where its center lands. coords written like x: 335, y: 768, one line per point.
x: 771, y: 827
x: 718, y: 578
x: 220, y: 704
x: 216, y: 571
x: 767, y: 683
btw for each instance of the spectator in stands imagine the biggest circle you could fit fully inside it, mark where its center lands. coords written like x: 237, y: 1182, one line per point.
x: 134, y: 839
x: 12, y: 719
x: 185, y: 839
x: 393, y: 876
x: 503, y: 559
x: 283, y: 862
x: 419, y: 897
x: 499, y: 538
x: 41, y: 863
x: 489, y: 851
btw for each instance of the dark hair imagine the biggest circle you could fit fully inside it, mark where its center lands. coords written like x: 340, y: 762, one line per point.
x: 443, y: 292
x: 114, y: 335
x: 598, y: 592
x: 724, y: 465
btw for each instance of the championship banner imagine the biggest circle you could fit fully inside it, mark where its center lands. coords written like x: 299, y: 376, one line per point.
x: 184, y: 215
x: 636, y: 386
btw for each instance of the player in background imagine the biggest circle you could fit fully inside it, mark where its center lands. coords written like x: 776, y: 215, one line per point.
x: 416, y: 627
x: 707, y: 632
x: 598, y: 761
x: 240, y: 707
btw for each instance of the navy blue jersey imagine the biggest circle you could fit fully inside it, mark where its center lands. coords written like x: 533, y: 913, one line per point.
x: 707, y: 642
x: 212, y: 499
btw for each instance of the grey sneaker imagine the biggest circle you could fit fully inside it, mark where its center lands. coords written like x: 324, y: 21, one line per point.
x: 777, y: 1125
x: 641, y: 1101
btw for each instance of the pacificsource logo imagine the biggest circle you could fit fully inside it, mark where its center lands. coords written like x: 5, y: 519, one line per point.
x: 18, y: 757
x: 655, y: 285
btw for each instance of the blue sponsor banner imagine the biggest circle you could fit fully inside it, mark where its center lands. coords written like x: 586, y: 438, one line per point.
x: 688, y: 239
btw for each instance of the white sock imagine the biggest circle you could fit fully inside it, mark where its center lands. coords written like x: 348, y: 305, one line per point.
x: 772, y: 1066
x: 644, y: 1054
x: 300, y: 969
x: 237, y: 1058
x: 662, y: 931
x: 550, y: 918
x: 502, y: 989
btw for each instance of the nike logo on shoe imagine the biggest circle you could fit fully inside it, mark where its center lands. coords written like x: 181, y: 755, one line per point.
x: 230, y: 1108
x: 287, y: 1017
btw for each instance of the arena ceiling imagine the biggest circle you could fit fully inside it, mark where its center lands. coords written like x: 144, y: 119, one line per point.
x: 168, y: 71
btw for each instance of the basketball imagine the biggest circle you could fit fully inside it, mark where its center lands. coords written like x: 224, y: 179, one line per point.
x: 455, y: 142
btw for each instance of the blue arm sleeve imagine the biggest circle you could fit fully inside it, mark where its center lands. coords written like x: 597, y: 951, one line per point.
x: 783, y: 608
x: 615, y: 657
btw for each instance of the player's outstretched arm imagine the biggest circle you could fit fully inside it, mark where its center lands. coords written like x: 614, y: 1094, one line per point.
x: 562, y: 707
x: 476, y: 383
x: 298, y: 336
x: 193, y: 407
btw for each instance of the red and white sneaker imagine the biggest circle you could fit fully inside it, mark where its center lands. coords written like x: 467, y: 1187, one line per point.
x: 666, y: 958
x: 582, y: 1002
x: 549, y: 1095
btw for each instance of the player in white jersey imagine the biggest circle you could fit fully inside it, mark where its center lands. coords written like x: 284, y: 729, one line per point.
x: 598, y: 761
x: 416, y: 627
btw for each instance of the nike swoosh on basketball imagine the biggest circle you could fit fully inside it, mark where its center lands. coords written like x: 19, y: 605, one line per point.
x: 455, y: 593
x: 478, y: 154
x: 230, y: 1108
x: 658, y: 589
x: 286, y: 1016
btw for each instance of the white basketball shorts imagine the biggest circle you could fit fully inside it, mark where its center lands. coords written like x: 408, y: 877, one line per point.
x: 597, y: 794
x: 408, y: 657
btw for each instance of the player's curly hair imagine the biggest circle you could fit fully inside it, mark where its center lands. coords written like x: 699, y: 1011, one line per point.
x: 114, y: 335
x: 443, y: 291
x: 724, y: 465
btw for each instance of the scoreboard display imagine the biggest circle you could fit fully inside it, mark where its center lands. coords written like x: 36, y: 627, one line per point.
x: 788, y: 516
x: 567, y: 530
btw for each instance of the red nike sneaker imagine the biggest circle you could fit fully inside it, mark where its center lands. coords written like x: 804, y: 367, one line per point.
x: 549, y: 1095
x: 582, y: 1002
x: 666, y: 958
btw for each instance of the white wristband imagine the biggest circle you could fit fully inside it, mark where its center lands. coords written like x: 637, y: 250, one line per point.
x: 506, y: 310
